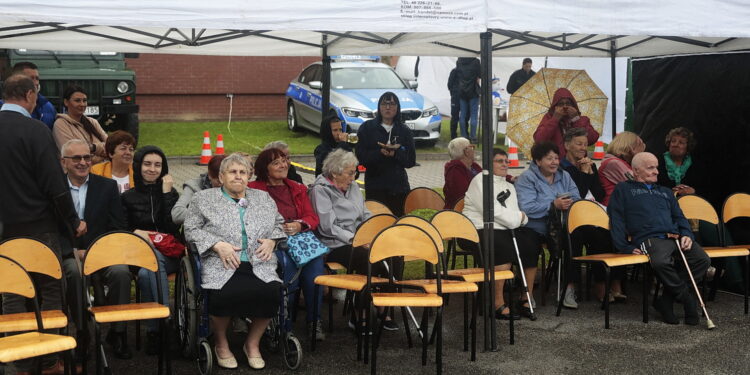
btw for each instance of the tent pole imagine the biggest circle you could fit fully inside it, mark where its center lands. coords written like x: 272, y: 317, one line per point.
x: 613, y: 54
x: 326, y: 78
x: 488, y: 198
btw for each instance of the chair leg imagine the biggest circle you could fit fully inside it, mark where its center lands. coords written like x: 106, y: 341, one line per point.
x: 137, y: 322
x: 543, y: 285
x: 376, y: 342
x: 99, y: 352
x: 607, y: 285
x: 366, y: 334
x: 474, y: 309
x: 439, y: 345
x: 561, y: 297
x: 315, y: 321
x: 330, y: 309
x: 715, y: 282
x: 511, y: 311
x: 747, y: 280
x: 646, y: 282
x: 657, y: 286
x: 424, y: 336
x: 407, y: 329
x: 358, y: 319
x: 162, y: 343
x: 466, y: 322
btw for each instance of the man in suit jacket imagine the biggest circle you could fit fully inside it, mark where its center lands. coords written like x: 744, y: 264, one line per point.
x: 97, y: 201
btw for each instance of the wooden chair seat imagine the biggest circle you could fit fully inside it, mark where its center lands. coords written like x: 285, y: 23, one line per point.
x: 729, y: 251
x: 33, y: 344
x: 448, y: 287
x: 613, y: 259
x: 407, y: 299
x: 27, y: 321
x: 133, y: 311
x: 476, y: 275
x: 352, y: 282
x: 333, y: 266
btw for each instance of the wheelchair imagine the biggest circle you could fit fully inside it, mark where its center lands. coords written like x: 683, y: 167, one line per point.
x: 192, y: 325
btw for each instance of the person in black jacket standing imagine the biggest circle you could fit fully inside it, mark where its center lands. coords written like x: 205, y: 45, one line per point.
x: 332, y: 137
x: 35, y: 199
x: 386, y: 149
x: 455, y: 90
x: 469, y: 71
x: 520, y: 76
x: 148, y: 211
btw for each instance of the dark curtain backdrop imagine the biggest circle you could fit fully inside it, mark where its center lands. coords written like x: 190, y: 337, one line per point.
x: 710, y: 95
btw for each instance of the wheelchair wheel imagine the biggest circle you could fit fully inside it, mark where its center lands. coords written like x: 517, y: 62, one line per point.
x: 186, y: 310
x: 292, y: 351
x: 205, y: 358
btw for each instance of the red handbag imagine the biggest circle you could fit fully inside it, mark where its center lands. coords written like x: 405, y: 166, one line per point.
x: 167, y: 244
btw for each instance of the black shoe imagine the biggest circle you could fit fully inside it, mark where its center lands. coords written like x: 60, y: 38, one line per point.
x: 664, y: 306
x: 499, y: 314
x: 690, y: 303
x: 152, y: 343
x: 390, y: 325
x: 119, y: 344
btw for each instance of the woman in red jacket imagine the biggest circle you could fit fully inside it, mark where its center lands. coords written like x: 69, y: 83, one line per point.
x: 563, y: 114
x: 271, y: 167
x: 459, y: 171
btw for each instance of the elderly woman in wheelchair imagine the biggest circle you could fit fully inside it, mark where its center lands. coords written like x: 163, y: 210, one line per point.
x: 235, y: 230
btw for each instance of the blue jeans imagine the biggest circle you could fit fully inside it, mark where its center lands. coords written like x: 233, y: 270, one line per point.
x: 147, y: 283
x: 466, y: 106
x: 310, y: 271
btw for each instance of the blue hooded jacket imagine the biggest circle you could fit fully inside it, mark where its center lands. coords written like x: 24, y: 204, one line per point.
x: 535, y: 194
x: 44, y: 111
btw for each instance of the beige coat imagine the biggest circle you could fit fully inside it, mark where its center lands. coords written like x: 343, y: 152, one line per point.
x: 66, y: 128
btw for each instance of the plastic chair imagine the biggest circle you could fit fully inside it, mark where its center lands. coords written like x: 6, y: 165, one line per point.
x: 695, y: 207
x: 14, y: 279
x: 366, y: 232
x: 377, y: 208
x: 404, y: 240
x: 583, y: 213
x: 429, y: 285
x: 421, y: 198
x: 125, y: 248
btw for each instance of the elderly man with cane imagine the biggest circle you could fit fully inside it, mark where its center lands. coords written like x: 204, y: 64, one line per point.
x: 650, y: 215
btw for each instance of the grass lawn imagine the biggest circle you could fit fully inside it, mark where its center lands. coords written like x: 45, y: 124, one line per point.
x: 186, y: 138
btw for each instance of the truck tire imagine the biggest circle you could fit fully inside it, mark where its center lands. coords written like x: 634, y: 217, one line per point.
x: 129, y: 123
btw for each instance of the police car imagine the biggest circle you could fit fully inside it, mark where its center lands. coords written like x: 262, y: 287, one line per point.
x: 356, y: 86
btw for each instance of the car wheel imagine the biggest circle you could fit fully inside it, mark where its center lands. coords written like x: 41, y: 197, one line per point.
x: 291, y: 118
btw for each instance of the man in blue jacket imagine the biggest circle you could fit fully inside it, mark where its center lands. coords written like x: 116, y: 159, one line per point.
x: 647, y: 212
x: 44, y: 111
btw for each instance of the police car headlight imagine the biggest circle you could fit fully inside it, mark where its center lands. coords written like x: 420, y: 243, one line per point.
x: 123, y: 87
x: 430, y: 112
x: 357, y: 113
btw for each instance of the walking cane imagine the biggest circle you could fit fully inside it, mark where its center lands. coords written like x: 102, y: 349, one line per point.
x: 501, y: 199
x: 709, y: 323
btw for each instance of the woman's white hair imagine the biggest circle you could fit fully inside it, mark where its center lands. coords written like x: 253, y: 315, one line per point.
x: 336, y: 161
x: 234, y: 158
x: 281, y: 145
x: 457, y: 146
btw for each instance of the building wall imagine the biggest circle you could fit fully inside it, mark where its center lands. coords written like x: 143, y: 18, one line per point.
x: 192, y: 88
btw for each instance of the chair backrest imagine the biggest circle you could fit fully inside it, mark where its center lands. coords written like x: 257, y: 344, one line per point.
x: 368, y: 229
x: 377, y: 208
x: 425, y: 226
x: 403, y: 240
x: 695, y: 207
x: 14, y: 279
x: 459, y: 206
x: 452, y: 224
x: 34, y: 256
x: 423, y: 197
x: 119, y: 248
x: 736, y: 205
x: 585, y: 212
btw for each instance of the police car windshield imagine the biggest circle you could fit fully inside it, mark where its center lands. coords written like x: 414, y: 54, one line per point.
x: 365, y: 78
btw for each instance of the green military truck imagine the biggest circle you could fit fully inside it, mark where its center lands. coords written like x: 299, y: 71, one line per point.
x: 109, y: 84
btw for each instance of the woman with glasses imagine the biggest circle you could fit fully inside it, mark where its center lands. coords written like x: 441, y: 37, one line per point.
x: 119, y: 147
x: 563, y: 114
x: 386, y: 149
x: 76, y: 125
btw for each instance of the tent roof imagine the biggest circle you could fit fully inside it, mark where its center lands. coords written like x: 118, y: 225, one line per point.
x: 408, y: 27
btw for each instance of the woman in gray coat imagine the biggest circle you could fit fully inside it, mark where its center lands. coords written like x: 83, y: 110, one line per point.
x: 234, y: 229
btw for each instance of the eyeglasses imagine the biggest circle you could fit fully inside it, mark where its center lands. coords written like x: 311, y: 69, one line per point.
x: 388, y: 104
x: 501, y: 161
x: 78, y: 158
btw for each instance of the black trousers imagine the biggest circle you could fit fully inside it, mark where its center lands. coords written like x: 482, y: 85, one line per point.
x: 669, y: 267
x: 394, y: 201
x: 455, y: 112
x: 597, y: 241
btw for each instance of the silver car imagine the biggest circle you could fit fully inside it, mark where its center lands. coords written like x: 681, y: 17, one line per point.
x: 356, y: 87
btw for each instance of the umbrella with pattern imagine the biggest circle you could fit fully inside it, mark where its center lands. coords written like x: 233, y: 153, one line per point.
x: 532, y: 101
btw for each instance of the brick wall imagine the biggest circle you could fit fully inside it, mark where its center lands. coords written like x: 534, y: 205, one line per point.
x: 188, y: 87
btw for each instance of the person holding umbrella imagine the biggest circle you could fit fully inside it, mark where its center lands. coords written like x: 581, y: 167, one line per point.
x: 563, y: 114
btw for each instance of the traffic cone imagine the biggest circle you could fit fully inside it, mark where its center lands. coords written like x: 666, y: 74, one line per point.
x: 206, y: 151
x: 598, y: 151
x: 219, y: 144
x: 513, y: 158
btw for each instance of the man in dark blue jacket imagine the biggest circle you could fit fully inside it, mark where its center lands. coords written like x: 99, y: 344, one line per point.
x: 44, y: 111
x: 647, y: 213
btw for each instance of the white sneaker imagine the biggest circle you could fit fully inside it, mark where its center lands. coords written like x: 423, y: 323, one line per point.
x: 570, y: 299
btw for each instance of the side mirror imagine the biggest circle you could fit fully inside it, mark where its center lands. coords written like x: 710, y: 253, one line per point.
x: 316, y: 85
x: 413, y: 85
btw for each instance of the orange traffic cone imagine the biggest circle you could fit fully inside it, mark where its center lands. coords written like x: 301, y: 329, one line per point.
x: 598, y: 151
x: 513, y: 158
x: 206, y: 151
x: 219, y: 144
